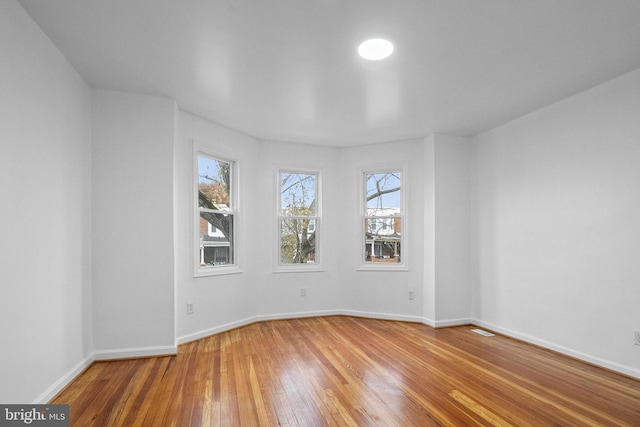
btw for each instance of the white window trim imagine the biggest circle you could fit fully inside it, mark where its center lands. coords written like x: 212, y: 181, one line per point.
x: 299, y: 268
x: 236, y: 209
x: 361, y: 265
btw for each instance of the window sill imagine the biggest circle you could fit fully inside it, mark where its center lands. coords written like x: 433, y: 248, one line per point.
x: 217, y: 271
x: 382, y: 267
x: 296, y: 269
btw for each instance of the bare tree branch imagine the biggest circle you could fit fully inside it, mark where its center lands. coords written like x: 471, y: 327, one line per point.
x: 381, y: 192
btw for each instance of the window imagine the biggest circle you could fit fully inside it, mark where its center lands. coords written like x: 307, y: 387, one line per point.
x: 382, y: 219
x: 298, y: 218
x: 216, y: 214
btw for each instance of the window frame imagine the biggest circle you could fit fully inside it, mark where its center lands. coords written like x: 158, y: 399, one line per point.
x: 234, y: 210
x: 279, y: 266
x: 363, y: 265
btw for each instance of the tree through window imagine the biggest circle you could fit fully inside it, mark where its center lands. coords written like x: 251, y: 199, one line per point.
x: 383, y: 217
x: 216, y: 212
x: 298, y: 217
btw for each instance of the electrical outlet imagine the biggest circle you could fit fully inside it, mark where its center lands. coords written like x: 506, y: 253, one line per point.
x: 303, y: 292
x: 189, y: 308
x: 636, y: 337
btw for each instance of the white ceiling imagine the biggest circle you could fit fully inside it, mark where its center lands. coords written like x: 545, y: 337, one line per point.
x: 288, y: 69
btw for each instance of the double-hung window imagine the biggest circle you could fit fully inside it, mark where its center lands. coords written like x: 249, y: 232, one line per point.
x: 298, y: 219
x: 216, y: 215
x: 383, y: 220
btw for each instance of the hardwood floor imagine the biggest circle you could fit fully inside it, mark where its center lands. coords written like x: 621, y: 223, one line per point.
x: 344, y: 371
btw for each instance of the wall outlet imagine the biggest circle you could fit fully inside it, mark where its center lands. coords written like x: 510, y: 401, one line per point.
x: 412, y: 294
x: 189, y: 308
x: 303, y: 292
x: 636, y: 337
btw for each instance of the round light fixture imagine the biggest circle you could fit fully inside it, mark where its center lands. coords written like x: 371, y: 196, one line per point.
x: 375, y: 49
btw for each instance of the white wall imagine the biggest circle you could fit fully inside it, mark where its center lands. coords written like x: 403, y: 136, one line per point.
x: 557, y: 236
x: 278, y: 293
x: 132, y: 224
x: 383, y: 293
x: 45, y: 191
x: 220, y: 302
x: 452, y: 230
x: 97, y: 225
x: 429, y: 236
x: 260, y: 292
x: 447, y: 256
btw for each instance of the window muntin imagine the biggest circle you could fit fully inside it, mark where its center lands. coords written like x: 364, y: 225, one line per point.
x: 298, y: 218
x: 383, y: 218
x: 216, y: 213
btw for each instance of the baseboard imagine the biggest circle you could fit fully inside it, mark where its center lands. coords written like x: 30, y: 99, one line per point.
x: 129, y: 353
x: 319, y: 313
x: 384, y: 316
x: 298, y: 315
x: 452, y: 322
x: 603, y: 363
x: 294, y: 315
x: 404, y: 318
x: 623, y: 369
x: 253, y: 319
x: 67, y: 378
x: 216, y: 330
x: 59, y: 385
x: 171, y: 350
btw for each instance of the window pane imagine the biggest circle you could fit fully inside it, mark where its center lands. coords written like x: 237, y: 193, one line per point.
x: 383, y: 242
x: 213, y: 184
x: 383, y: 192
x: 384, y: 227
x: 298, y: 241
x: 298, y: 194
x: 383, y: 217
x: 216, y: 239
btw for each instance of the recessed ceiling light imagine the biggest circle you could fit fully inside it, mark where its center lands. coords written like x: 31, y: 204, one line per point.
x: 375, y: 49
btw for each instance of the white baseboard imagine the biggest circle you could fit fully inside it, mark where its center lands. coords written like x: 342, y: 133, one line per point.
x: 607, y: 364
x: 301, y: 314
x: 128, y: 353
x: 59, y: 385
x: 383, y: 316
x: 253, y: 319
x: 63, y: 381
x: 216, y: 330
x: 623, y: 369
x: 293, y: 315
x: 298, y: 315
x: 405, y: 318
x: 452, y: 322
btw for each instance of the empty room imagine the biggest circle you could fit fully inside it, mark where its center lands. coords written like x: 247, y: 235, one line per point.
x: 320, y: 212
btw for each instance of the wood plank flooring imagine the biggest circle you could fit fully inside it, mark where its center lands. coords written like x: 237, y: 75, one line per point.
x: 344, y: 371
